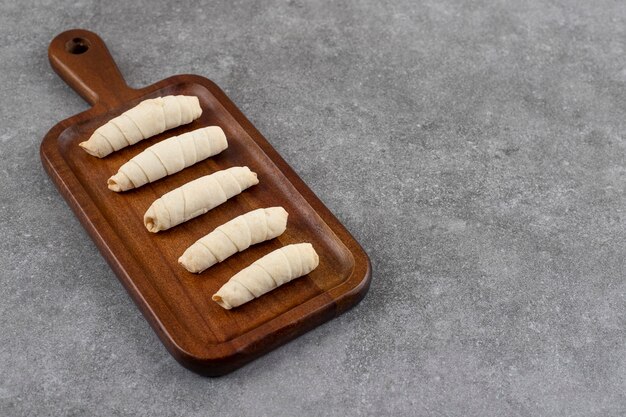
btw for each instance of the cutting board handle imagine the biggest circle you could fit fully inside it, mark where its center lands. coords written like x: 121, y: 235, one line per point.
x: 82, y: 60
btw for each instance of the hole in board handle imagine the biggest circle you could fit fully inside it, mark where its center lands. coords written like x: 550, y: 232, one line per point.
x: 77, y: 46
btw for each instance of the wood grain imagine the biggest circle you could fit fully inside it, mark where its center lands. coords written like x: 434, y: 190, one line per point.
x: 197, y: 331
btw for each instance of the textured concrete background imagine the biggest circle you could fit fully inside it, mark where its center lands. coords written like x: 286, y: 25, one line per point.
x: 476, y: 149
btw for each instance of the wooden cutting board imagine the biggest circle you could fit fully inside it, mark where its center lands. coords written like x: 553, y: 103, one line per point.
x: 200, y: 334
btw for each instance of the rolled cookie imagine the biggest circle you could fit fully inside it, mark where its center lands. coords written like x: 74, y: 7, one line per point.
x: 148, y: 118
x: 168, y: 157
x: 269, y: 272
x: 197, y: 197
x: 234, y: 236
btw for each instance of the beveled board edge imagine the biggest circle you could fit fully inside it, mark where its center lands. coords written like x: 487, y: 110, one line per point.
x: 234, y: 353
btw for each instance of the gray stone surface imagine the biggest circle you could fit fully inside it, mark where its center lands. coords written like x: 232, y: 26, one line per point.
x: 476, y: 149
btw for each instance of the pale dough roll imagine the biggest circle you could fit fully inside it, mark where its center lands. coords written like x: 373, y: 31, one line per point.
x: 197, y: 197
x: 148, y: 118
x: 168, y: 157
x: 234, y: 236
x: 269, y: 272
